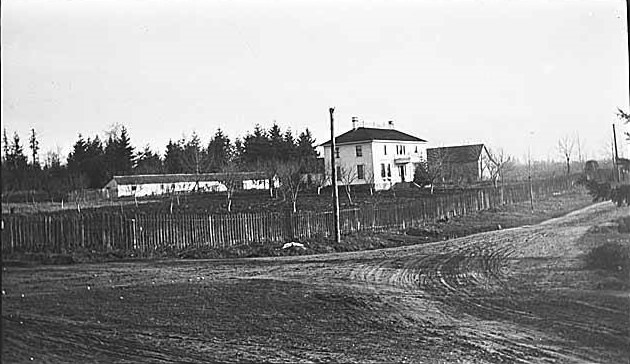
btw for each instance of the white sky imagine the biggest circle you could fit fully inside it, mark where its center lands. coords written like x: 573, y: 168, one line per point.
x: 506, y: 73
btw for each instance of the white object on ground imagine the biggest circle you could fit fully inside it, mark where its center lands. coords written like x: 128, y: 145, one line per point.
x: 293, y: 245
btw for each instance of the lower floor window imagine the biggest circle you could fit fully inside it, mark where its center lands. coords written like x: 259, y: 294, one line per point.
x: 360, y: 172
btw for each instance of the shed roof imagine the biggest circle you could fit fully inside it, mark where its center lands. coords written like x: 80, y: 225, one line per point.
x: 363, y: 134
x: 177, y: 178
x: 456, y: 154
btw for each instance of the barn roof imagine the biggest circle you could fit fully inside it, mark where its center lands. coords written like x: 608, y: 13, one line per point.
x: 177, y: 178
x: 369, y: 134
x: 456, y: 154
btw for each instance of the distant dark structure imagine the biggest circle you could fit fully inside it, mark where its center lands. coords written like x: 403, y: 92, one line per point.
x: 591, y: 170
x: 461, y: 163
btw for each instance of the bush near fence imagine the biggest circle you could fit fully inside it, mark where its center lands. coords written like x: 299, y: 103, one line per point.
x: 148, y: 235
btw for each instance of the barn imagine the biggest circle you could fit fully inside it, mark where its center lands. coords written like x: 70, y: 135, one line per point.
x: 460, y: 163
x: 160, y: 184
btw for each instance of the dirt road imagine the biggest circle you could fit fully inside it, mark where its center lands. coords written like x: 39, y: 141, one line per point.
x: 517, y: 295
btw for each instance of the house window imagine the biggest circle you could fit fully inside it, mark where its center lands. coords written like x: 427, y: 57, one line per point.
x: 416, y: 149
x: 385, y: 149
x: 389, y: 171
x: 359, y: 151
x: 383, y: 170
x: 133, y: 188
x: 338, y: 173
x: 337, y: 152
x: 360, y: 172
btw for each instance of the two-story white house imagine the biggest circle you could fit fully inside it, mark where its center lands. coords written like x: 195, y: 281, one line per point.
x: 382, y: 157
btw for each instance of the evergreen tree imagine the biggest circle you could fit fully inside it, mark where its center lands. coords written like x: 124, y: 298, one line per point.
x: 238, y: 151
x: 306, y: 145
x: 5, y: 145
x: 119, y: 155
x: 220, y: 151
x: 288, y: 152
x: 256, y: 146
x: 174, y: 156
x: 34, y: 146
x: 306, y: 152
x: 148, y: 162
x: 78, y: 154
x: 276, y: 143
x: 16, y: 159
x: 126, y: 152
x: 93, y: 164
x: 194, y: 158
x: 14, y: 176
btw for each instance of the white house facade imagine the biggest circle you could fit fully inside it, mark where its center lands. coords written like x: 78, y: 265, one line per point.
x: 382, y: 157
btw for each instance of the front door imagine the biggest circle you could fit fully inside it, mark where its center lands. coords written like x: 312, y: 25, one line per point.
x: 402, y: 173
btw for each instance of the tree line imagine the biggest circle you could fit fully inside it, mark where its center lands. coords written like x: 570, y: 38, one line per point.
x: 93, y: 161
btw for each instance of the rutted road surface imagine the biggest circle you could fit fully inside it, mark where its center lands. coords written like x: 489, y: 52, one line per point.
x: 517, y: 295
x: 500, y: 292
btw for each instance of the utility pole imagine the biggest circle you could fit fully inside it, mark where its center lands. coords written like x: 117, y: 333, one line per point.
x: 333, y: 164
x: 531, y: 188
x: 616, y: 156
x: 529, y: 172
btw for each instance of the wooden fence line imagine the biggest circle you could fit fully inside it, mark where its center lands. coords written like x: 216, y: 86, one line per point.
x: 147, y: 234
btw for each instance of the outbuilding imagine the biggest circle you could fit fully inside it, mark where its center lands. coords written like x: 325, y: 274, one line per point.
x: 160, y: 184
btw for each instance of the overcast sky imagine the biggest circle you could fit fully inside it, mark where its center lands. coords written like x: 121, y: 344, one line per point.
x: 506, y: 73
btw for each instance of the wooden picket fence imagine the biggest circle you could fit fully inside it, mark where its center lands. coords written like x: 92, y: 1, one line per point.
x: 147, y: 234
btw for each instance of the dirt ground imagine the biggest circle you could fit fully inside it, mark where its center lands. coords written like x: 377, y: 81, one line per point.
x: 505, y: 296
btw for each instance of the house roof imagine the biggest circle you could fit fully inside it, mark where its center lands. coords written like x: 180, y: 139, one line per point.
x: 176, y: 178
x: 456, y: 154
x: 368, y: 134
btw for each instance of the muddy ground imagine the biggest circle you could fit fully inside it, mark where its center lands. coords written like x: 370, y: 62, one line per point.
x: 513, y: 295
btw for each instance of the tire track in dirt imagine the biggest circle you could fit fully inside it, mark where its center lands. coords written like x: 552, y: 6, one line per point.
x: 474, y: 273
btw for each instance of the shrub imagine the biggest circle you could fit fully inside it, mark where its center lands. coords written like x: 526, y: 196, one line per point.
x: 600, y: 191
x: 610, y: 256
x: 624, y: 225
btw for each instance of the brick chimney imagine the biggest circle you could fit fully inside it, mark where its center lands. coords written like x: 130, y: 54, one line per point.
x: 355, y: 122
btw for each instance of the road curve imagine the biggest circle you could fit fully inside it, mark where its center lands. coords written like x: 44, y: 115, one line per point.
x: 490, y: 289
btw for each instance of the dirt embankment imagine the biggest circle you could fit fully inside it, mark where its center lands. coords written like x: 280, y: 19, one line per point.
x: 515, y: 295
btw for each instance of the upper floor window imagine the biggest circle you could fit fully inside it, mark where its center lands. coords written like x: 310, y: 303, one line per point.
x: 401, y: 149
x: 416, y: 149
x: 336, y: 152
x: 359, y: 151
x: 385, y: 149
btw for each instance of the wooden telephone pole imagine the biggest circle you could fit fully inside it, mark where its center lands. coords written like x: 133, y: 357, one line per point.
x: 616, y: 155
x: 333, y: 164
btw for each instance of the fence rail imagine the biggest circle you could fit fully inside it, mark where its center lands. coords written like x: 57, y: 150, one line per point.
x: 147, y: 234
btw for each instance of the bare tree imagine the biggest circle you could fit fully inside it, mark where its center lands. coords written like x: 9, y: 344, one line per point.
x: 270, y: 169
x: 369, y: 180
x: 429, y: 171
x: 290, y: 175
x: 497, y: 163
x: 578, y: 144
x: 347, y: 175
x: 230, y: 177
x: 320, y: 180
x: 565, y: 147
